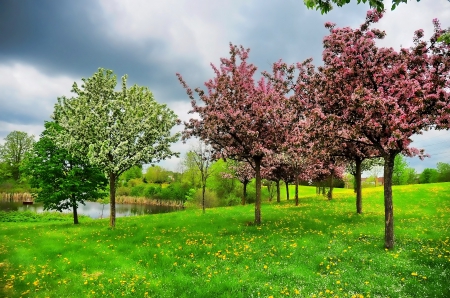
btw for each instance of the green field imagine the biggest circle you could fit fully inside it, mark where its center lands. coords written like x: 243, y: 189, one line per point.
x: 319, y: 249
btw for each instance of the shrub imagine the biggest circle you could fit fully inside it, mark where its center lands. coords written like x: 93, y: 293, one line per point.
x: 174, y: 192
x: 135, y: 182
x: 138, y: 190
x: 123, y: 191
x: 151, y: 191
x: 232, y: 200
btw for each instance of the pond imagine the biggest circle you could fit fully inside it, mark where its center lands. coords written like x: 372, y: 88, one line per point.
x: 94, y: 209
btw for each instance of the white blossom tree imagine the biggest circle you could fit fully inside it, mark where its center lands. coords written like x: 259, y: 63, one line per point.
x: 115, y: 130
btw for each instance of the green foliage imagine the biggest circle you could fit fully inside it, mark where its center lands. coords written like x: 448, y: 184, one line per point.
x: 62, y: 180
x: 400, y: 173
x: 134, y: 172
x: 151, y: 191
x: 138, y: 190
x: 222, y: 187
x: 123, y: 191
x: 12, y: 153
x: 318, y: 249
x: 114, y: 129
x: 232, y: 200
x: 189, y: 196
x: 5, y: 171
x: 211, y: 199
x: 13, y: 186
x: 326, y: 6
x: 429, y: 176
x: 174, y: 192
x: 135, y: 182
x: 444, y: 172
x: 157, y: 174
x: 445, y: 38
x: 191, y: 174
x: 411, y: 176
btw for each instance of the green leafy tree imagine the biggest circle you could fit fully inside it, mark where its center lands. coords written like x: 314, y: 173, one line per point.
x: 203, y: 159
x: 429, y: 176
x: 399, y: 175
x: 5, y: 171
x: 62, y: 181
x: 157, y: 174
x: 17, y: 144
x: 135, y: 172
x: 191, y: 173
x: 222, y: 181
x: 443, y: 172
x: 115, y: 130
x: 411, y: 176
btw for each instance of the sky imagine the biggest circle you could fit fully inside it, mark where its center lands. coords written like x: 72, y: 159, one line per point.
x: 47, y: 45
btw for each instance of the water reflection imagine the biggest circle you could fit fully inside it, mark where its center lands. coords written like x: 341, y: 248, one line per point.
x: 94, y: 209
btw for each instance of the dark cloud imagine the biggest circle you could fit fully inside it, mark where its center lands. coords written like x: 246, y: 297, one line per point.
x: 287, y: 30
x: 69, y: 37
x: 50, y: 43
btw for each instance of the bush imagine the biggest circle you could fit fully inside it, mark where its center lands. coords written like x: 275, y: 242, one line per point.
x: 138, y: 190
x: 232, y: 200
x: 174, y: 192
x: 135, y: 182
x: 151, y: 191
x: 123, y: 191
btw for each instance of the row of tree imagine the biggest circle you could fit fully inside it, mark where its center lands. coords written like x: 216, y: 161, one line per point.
x: 298, y: 120
x: 364, y: 102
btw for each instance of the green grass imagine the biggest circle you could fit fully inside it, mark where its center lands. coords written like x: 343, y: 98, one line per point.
x: 319, y: 249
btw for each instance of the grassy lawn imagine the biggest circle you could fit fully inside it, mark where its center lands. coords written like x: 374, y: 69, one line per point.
x: 319, y: 249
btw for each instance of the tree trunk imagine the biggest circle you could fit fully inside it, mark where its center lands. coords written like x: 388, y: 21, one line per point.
x: 330, y: 193
x: 278, y: 191
x: 244, y: 198
x: 388, y: 203
x: 112, y: 200
x: 296, y: 190
x: 257, y: 160
x: 74, y: 210
x: 287, y: 190
x: 203, y: 197
x: 358, y: 186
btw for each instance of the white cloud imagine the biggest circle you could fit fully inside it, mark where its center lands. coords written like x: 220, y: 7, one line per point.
x: 28, y: 96
x: 190, y: 29
x: 401, y: 23
x: 29, y: 129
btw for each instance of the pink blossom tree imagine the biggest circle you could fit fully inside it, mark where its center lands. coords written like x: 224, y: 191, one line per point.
x: 243, y: 172
x: 379, y: 96
x: 239, y: 117
x: 275, y: 168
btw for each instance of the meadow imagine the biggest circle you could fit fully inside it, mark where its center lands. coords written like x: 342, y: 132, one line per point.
x: 318, y: 249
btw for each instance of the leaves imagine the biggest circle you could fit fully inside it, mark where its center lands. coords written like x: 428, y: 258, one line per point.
x: 62, y: 180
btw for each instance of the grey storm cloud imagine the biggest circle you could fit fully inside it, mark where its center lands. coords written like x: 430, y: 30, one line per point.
x: 46, y: 45
x: 68, y: 37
